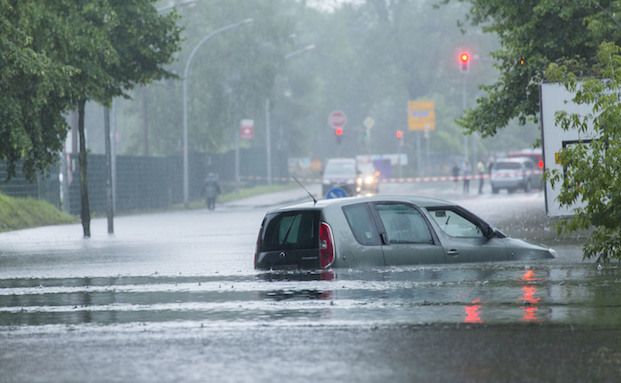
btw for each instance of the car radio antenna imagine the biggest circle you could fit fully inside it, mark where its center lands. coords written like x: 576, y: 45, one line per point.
x: 306, y: 190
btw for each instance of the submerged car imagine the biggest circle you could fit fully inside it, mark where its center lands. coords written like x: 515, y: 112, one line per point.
x: 381, y: 230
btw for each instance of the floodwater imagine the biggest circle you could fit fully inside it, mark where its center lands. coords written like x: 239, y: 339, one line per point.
x: 502, y: 293
x: 183, y: 283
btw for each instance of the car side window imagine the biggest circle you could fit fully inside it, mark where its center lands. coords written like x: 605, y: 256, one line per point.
x: 361, y: 224
x: 403, y: 223
x: 454, y: 224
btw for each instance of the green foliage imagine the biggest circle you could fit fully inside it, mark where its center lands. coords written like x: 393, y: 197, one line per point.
x: 543, y: 32
x: 369, y: 59
x: 592, y: 171
x: 54, y: 54
x: 34, y: 87
x: 19, y: 213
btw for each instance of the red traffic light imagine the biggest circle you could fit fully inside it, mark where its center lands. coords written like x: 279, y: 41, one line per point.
x: 464, y: 57
x: 338, y: 131
x: 399, y: 134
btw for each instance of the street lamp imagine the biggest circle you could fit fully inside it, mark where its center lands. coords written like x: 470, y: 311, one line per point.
x: 186, y: 73
x: 181, y: 3
x: 268, y: 140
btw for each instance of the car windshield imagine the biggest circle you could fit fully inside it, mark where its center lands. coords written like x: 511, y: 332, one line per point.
x: 343, y: 169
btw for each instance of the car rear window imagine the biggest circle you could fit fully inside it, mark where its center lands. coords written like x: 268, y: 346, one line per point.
x: 361, y: 224
x: 507, y: 166
x: 291, y: 230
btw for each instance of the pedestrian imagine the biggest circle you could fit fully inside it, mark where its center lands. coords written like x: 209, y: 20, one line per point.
x: 481, y: 170
x: 455, y: 173
x: 466, y: 172
x: 490, y: 165
x: 212, y: 190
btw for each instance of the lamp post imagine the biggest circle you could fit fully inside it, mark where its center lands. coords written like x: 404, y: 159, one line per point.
x: 268, y: 139
x: 186, y: 73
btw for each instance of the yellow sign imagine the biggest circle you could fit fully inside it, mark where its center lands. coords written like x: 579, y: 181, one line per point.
x: 421, y: 115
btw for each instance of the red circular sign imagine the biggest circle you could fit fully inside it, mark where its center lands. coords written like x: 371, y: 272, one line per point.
x: 337, y: 119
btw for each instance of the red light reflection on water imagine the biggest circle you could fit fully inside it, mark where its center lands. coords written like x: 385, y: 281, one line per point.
x: 473, y: 312
x: 327, y: 275
x: 528, y: 297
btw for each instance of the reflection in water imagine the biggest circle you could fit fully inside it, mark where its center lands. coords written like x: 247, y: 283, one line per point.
x: 296, y: 292
x: 473, y: 312
x: 530, y: 307
x: 419, y: 294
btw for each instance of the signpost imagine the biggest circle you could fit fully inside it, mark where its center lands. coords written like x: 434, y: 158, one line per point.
x: 337, y: 119
x: 246, y: 130
x: 421, y: 115
x: 336, y: 192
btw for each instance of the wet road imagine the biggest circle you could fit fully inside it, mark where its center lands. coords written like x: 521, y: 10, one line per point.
x: 174, y: 297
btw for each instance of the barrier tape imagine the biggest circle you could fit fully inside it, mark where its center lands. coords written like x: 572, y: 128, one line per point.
x: 402, y: 180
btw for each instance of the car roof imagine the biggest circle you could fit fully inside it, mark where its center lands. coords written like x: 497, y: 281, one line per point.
x: 323, y: 203
x: 526, y: 152
x: 341, y: 160
x: 514, y: 159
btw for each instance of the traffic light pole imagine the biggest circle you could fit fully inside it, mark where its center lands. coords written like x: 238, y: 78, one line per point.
x: 463, y: 108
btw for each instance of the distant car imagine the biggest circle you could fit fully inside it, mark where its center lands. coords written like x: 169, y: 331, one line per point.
x: 513, y: 174
x: 535, y: 155
x: 340, y: 173
x: 380, y: 230
x: 368, y: 179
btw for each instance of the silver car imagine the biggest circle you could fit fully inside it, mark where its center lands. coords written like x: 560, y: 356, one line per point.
x: 381, y: 230
x: 515, y: 173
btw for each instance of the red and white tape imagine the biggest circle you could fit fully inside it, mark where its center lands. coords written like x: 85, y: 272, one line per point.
x: 403, y: 180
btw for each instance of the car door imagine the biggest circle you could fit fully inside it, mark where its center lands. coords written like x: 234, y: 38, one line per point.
x: 462, y: 236
x: 407, y: 237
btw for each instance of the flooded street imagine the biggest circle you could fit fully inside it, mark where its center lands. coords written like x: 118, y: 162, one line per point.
x: 174, y: 296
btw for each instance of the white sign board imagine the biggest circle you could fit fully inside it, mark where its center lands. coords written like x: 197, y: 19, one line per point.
x: 555, y: 98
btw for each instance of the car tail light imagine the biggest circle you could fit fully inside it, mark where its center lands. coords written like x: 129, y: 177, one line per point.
x: 326, y: 246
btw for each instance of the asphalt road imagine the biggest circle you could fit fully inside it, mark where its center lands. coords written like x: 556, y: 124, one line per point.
x: 174, y: 297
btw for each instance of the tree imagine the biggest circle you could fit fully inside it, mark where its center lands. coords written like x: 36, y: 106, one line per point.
x: 34, y: 87
x: 113, y: 45
x: 533, y: 34
x: 592, y: 171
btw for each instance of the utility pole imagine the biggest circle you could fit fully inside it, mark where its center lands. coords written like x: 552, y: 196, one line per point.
x: 109, y: 199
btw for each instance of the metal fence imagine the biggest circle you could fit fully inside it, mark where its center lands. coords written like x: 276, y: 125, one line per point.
x: 142, y: 183
x: 44, y: 186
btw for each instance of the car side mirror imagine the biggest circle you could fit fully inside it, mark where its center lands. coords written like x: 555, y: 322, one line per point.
x: 489, y: 232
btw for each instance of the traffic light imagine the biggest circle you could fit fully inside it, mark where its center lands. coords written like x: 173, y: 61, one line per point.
x: 464, y: 61
x: 338, y: 132
x: 399, y: 135
x: 522, y: 60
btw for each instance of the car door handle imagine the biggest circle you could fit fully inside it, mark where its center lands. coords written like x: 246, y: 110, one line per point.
x: 452, y: 252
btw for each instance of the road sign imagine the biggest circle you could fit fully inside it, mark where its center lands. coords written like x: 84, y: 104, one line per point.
x: 421, y: 115
x: 369, y: 122
x: 246, y: 130
x: 337, y: 119
x: 336, y: 192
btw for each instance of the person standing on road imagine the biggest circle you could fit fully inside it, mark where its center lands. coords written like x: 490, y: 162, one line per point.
x: 466, y: 173
x: 481, y: 170
x: 455, y: 173
x: 212, y: 189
